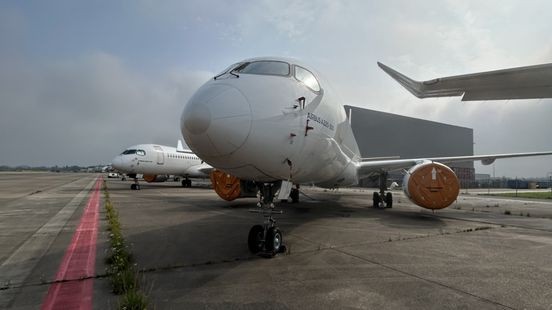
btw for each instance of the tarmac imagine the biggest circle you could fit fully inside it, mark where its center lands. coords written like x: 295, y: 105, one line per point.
x: 481, y: 252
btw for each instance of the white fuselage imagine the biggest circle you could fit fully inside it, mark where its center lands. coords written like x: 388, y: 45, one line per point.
x: 257, y: 127
x: 152, y: 159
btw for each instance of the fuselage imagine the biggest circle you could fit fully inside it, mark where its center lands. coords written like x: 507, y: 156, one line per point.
x: 153, y: 159
x: 268, y: 119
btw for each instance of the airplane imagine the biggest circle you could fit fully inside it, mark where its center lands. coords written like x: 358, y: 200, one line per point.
x: 277, y: 123
x: 155, y: 162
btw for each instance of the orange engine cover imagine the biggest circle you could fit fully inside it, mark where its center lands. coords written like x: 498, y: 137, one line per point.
x: 431, y: 185
x: 149, y: 177
x: 225, y: 185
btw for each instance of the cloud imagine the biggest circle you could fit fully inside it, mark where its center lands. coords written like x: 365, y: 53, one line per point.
x: 127, y: 82
x: 85, y: 110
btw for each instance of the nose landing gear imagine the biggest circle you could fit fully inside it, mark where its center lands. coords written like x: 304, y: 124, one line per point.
x: 135, y: 185
x: 266, y: 240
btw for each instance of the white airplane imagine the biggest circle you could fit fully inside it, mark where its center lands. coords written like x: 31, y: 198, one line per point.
x: 276, y: 122
x: 155, y: 162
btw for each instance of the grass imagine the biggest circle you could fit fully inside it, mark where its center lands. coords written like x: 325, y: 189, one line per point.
x: 533, y: 195
x: 121, y: 269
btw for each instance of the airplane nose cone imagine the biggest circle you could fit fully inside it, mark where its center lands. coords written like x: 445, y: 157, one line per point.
x: 198, y: 119
x: 216, y: 120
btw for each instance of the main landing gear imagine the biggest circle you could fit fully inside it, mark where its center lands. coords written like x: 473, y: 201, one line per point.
x: 135, y: 185
x: 382, y: 199
x: 186, y: 182
x: 266, y: 239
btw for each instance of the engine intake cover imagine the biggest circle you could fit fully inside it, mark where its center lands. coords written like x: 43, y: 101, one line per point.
x: 225, y: 185
x: 154, y: 178
x: 431, y: 185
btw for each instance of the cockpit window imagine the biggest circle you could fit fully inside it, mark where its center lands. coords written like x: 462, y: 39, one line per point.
x: 141, y: 152
x: 223, y: 72
x: 128, y: 152
x: 264, y: 67
x: 307, y: 78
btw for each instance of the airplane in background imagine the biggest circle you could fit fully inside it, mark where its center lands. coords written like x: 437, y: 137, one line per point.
x: 156, y: 162
x: 277, y: 123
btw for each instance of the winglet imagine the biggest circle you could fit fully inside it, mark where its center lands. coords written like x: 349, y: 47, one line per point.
x: 415, y: 87
x: 425, y: 89
x: 179, y: 147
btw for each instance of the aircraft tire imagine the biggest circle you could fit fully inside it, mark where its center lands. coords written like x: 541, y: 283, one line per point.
x: 274, y: 240
x: 389, y: 200
x: 376, y: 200
x: 255, y: 240
x: 133, y: 186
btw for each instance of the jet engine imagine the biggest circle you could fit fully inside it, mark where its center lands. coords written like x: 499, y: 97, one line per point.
x: 154, y: 178
x: 431, y: 185
x: 228, y: 187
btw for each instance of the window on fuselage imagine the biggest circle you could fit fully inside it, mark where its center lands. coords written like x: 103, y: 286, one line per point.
x: 265, y: 67
x: 307, y: 78
x: 141, y: 152
x: 128, y: 152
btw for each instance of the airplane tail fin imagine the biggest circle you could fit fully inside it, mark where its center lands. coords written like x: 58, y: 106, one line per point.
x: 179, y: 147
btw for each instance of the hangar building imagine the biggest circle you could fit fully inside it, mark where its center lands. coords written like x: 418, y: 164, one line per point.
x: 381, y: 134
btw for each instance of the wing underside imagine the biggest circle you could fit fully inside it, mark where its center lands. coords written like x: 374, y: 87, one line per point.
x: 370, y: 168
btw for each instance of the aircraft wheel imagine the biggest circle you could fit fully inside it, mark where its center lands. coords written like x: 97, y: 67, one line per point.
x: 273, y: 240
x: 389, y: 200
x: 189, y: 183
x: 133, y: 186
x: 376, y: 200
x: 255, y: 241
x: 184, y: 183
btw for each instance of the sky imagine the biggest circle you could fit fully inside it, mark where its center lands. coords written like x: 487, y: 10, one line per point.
x: 82, y: 80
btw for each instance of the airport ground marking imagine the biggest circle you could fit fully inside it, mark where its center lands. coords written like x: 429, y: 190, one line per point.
x: 17, y: 268
x: 78, y: 262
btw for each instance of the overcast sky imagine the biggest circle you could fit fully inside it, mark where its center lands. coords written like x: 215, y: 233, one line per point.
x: 81, y: 80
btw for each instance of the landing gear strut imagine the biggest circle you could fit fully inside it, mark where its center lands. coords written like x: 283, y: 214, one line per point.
x: 186, y: 182
x: 294, y: 195
x: 266, y: 239
x: 135, y: 185
x: 383, y: 199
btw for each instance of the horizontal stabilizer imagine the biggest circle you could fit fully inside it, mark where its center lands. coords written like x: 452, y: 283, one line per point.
x: 529, y: 82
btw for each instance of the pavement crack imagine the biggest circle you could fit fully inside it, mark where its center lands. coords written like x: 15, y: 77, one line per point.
x: 421, y: 278
x: 42, y: 282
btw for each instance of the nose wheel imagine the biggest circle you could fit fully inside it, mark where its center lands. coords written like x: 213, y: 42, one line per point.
x: 135, y: 185
x: 267, y: 239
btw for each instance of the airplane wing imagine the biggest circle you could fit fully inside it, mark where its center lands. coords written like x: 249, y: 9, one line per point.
x: 371, y: 168
x: 516, y: 83
x: 199, y: 171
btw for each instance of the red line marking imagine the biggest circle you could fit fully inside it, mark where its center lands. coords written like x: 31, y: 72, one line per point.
x: 78, y: 262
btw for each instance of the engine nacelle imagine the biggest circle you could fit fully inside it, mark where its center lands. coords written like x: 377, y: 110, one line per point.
x: 154, y: 178
x: 431, y: 185
x: 228, y: 187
